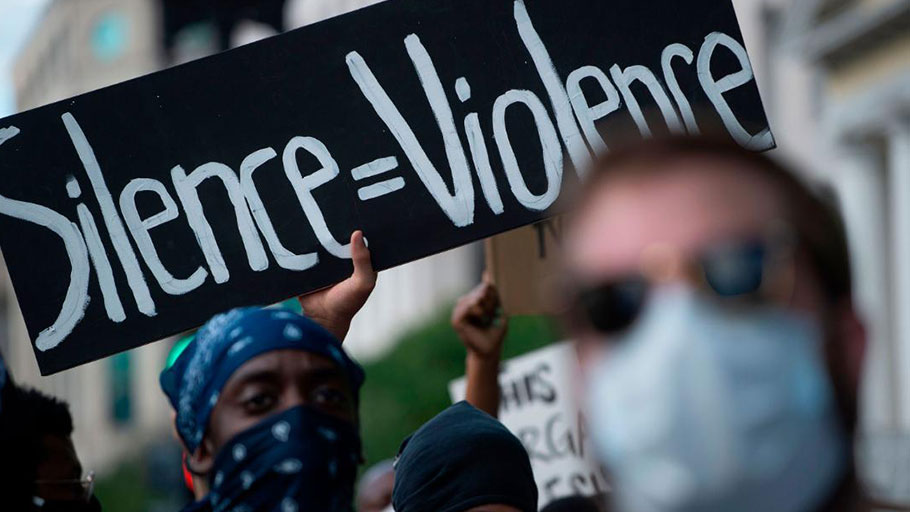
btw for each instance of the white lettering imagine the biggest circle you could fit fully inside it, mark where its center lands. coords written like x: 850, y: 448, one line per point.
x: 588, y: 114
x: 284, y: 257
x: 666, y: 59
x: 571, y: 136
x: 77, y: 298
x: 459, y: 207
x: 112, y: 305
x: 304, y: 188
x: 481, y: 157
x: 8, y: 133
x: 624, y: 78
x: 140, y: 228
x: 479, y: 153
x: 115, y: 228
x: 189, y: 197
x: 715, y: 89
x: 552, y: 151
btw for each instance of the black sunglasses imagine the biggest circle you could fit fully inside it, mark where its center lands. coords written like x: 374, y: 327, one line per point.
x: 742, y: 272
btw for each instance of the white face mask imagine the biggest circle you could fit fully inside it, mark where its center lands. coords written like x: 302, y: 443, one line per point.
x: 702, y: 408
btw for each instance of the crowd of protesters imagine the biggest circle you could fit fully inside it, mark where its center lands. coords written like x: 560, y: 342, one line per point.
x: 708, y: 293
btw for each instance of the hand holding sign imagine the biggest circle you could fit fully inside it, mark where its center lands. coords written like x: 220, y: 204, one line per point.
x: 334, y: 307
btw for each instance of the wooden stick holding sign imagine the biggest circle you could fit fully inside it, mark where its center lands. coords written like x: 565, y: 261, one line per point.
x: 139, y: 210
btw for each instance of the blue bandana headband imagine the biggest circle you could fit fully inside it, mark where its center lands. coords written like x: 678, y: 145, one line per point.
x: 227, y: 341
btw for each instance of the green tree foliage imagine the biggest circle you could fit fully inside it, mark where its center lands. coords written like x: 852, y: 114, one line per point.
x: 410, y: 385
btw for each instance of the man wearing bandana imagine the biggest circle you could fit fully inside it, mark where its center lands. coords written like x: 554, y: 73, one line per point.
x: 266, y: 403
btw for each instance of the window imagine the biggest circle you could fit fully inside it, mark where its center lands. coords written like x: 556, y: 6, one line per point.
x: 109, y: 36
x: 121, y: 405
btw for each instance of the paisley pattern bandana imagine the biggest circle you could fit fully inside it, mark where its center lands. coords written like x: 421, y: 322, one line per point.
x: 295, y: 461
x: 227, y: 341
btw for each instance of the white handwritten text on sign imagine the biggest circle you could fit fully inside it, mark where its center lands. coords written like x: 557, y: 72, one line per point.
x: 428, y: 124
x: 538, y: 405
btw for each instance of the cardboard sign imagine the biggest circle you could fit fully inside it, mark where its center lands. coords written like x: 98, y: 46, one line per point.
x: 139, y: 210
x: 538, y: 406
x: 524, y: 266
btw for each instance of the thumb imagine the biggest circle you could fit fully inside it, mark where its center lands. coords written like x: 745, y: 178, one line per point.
x: 487, y: 277
x: 360, y: 255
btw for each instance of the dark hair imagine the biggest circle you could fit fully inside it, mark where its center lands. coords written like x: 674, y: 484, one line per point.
x: 810, y: 209
x: 39, y: 414
x: 27, y: 417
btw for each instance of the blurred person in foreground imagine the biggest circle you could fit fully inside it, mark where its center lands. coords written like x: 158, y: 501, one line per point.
x: 710, y: 297
x: 267, y: 402
x: 42, y: 470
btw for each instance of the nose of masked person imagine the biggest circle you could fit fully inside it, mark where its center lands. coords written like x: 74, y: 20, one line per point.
x: 299, y: 459
x: 702, y: 406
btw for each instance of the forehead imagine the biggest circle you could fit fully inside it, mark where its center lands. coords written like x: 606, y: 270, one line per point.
x: 58, y: 448
x: 287, y: 363
x: 60, y: 460
x: 687, y: 206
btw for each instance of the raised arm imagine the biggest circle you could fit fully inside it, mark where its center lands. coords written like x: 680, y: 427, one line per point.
x: 478, y: 321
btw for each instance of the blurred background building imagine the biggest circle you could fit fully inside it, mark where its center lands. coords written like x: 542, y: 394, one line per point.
x: 835, y: 78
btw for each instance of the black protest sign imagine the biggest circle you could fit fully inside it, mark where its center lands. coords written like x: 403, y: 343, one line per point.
x: 139, y: 210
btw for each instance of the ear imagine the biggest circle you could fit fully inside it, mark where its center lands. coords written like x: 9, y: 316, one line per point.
x: 845, y: 350
x: 851, y: 339
x: 200, y: 462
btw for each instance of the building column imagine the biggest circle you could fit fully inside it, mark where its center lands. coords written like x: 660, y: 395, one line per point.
x: 860, y: 181
x: 151, y: 410
x: 899, y: 174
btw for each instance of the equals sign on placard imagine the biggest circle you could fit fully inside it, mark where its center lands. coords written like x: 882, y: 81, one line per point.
x: 375, y: 168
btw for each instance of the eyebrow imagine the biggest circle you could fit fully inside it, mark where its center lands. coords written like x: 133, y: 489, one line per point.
x: 326, y: 372
x: 320, y: 372
x: 252, y: 376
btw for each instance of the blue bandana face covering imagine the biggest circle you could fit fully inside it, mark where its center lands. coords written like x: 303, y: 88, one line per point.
x: 225, y: 343
x: 297, y: 460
